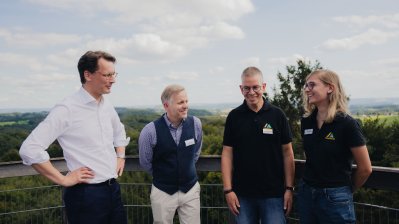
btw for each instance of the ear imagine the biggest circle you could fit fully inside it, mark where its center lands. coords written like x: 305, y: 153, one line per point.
x: 165, y: 105
x: 241, y: 89
x: 330, y: 89
x: 87, y: 75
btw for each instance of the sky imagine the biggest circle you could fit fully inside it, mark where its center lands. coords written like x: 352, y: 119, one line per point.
x: 203, y: 45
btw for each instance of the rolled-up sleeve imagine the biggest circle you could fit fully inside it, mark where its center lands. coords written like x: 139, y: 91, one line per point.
x: 33, y: 149
x: 147, y: 141
x: 120, y: 139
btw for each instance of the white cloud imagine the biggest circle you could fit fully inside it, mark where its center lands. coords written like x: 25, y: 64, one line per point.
x: 216, y: 70
x: 26, y: 38
x: 37, y: 89
x: 167, y: 30
x: 86, y: 7
x: 222, y: 30
x: 388, y: 21
x: 359, y: 83
x: 180, y: 76
x: 30, y: 62
x: 54, y: 77
x: 284, y: 61
x: 141, y: 47
x: 252, y: 61
x: 127, y: 61
x: 372, y: 36
x: 145, y: 80
x: 154, y: 44
x: 387, y: 62
x: 42, y: 81
x: 66, y: 58
x: 137, y: 10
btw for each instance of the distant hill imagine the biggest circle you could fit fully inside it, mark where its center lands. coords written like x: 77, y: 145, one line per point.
x: 374, y: 106
x: 374, y: 101
x: 356, y: 105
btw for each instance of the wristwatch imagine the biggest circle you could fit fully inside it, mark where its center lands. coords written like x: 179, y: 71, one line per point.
x: 120, y: 155
x: 227, y: 191
x: 290, y: 189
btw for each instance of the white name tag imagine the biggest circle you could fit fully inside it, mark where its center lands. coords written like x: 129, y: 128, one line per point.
x: 308, y: 131
x: 189, y: 142
x: 268, y: 131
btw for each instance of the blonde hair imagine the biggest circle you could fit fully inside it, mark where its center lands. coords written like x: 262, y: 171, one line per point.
x: 252, y: 71
x: 169, y: 91
x: 338, y: 102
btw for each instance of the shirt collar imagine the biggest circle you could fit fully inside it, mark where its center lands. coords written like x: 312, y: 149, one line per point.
x: 266, y: 106
x: 170, y: 123
x: 86, y: 97
x: 338, y: 116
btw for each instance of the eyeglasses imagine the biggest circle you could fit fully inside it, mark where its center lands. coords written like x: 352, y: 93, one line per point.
x: 110, y: 75
x: 309, y: 85
x: 247, y: 89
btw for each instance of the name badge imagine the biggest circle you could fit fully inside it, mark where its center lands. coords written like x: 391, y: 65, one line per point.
x: 189, y: 142
x: 267, y: 131
x: 308, y: 131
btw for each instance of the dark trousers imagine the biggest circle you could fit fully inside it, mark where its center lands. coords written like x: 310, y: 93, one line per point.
x: 95, y: 203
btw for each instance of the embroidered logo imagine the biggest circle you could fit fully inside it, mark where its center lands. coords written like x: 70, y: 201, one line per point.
x: 330, y: 136
x: 268, y: 126
x: 267, y: 129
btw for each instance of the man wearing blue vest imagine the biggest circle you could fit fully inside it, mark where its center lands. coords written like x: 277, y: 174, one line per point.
x: 169, y: 147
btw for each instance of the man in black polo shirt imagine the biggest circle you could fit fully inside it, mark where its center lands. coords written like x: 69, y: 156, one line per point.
x: 257, y: 158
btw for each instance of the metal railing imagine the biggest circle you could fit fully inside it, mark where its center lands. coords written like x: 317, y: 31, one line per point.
x: 44, y: 204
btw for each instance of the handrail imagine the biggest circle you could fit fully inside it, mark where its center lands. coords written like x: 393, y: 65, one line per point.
x: 382, y: 178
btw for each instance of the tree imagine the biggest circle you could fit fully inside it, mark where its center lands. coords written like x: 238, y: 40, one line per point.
x: 289, y: 96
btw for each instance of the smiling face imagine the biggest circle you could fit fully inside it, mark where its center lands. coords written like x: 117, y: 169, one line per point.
x: 177, y: 107
x: 99, y: 82
x: 316, y: 91
x: 252, y: 89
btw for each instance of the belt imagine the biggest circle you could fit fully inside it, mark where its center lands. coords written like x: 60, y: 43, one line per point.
x: 108, y: 182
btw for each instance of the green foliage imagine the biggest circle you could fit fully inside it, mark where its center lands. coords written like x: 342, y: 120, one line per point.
x: 10, y: 155
x: 5, y: 123
x: 288, y: 96
x: 213, y: 128
x: 382, y: 141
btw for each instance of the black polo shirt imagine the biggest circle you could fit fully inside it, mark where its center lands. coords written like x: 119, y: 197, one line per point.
x: 256, y: 138
x: 328, y: 150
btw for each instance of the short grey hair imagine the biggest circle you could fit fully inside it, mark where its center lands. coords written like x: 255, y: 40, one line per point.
x: 169, y: 91
x: 252, y: 71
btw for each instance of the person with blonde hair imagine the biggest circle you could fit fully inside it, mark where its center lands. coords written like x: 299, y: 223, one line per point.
x: 169, y: 147
x: 332, y: 139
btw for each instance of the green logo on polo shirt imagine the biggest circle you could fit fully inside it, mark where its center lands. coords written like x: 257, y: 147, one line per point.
x: 330, y: 136
x: 267, y: 129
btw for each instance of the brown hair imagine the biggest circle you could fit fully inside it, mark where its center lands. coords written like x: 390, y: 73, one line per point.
x: 89, y: 62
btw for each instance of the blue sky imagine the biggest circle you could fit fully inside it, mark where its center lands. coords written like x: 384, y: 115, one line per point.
x: 203, y: 45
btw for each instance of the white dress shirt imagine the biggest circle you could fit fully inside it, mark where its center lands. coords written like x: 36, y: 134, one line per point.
x: 87, y: 131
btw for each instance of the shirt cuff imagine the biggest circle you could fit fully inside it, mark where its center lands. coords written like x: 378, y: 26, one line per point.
x: 122, y: 142
x: 39, y: 158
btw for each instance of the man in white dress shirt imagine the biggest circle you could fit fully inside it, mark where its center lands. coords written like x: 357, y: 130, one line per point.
x: 93, y: 140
